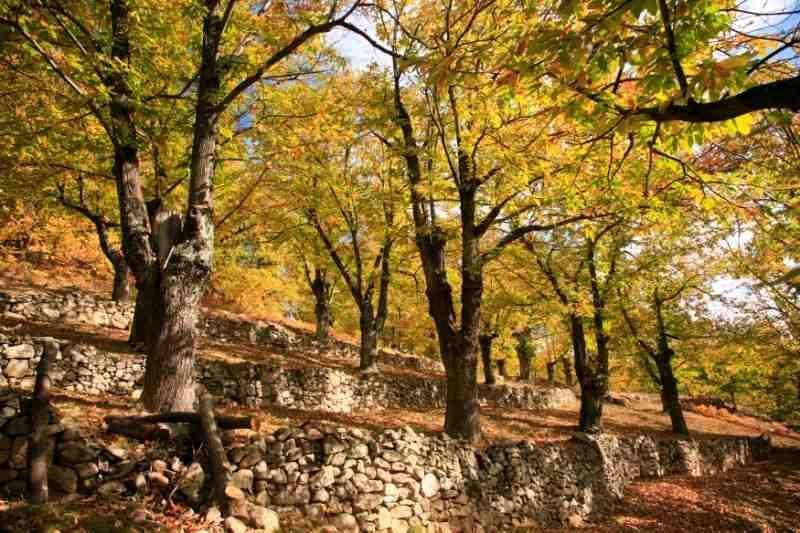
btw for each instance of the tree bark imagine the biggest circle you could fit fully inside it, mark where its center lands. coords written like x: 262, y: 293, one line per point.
x: 502, y: 369
x: 220, y: 471
x: 368, y: 353
x: 566, y: 367
x: 42, y: 444
x: 462, y: 415
x: 593, y: 387
x: 670, y: 393
x: 224, y: 422
x: 121, y: 291
x: 486, y: 357
x: 321, y: 289
x: 146, y: 321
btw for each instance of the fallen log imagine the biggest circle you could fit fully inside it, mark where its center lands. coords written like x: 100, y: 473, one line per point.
x: 155, y: 427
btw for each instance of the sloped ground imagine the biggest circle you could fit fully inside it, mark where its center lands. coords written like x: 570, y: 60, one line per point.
x: 761, y: 497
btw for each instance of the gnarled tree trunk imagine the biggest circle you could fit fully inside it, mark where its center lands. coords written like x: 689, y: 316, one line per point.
x: 121, y: 291
x: 551, y: 371
x: 368, y: 352
x: 670, y: 396
x: 321, y: 289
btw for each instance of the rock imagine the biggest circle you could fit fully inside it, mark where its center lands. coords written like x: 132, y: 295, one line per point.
x: 191, y: 484
x: 345, y: 522
x: 19, y: 452
x: 86, y: 470
x: 111, y: 488
x: 429, y: 485
x: 20, y: 351
x: 17, y: 426
x: 325, y: 477
x: 17, y: 368
x: 74, y: 453
x: 243, y: 479
x: 261, y: 470
x: 116, y: 453
x: 321, y: 496
x: 402, y: 511
x: 62, y: 478
x: 157, y: 479
x: 264, y: 519
x: 213, y: 515
x: 233, y: 492
x: 234, y: 525
x: 367, y: 502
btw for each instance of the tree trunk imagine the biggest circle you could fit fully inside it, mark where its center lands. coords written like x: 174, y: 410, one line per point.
x: 368, y: 353
x: 42, y: 444
x: 502, y: 369
x: 462, y: 416
x: 566, y: 367
x: 591, y: 415
x: 121, y: 291
x: 669, y: 393
x: 321, y: 288
x: 664, y: 399
x: 169, y: 374
x: 486, y: 357
x: 551, y: 372
x: 146, y: 321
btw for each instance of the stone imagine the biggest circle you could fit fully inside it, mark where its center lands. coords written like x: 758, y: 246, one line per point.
x: 116, y: 453
x: 234, y: 525
x: 429, y: 485
x: 19, y: 453
x: 111, y: 488
x: 213, y: 515
x: 62, y: 478
x: 367, y: 502
x: 261, y: 470
x: 192, y: 481
x: 384, y: 518
x: 157, y: 479
x: 86, y: 470
x: 243, y: 479
x: 391, y: 493
x: 359, y: 451
x: 321, y: 496
x: 264, y: 519
x: 345, y: 523
x: 402, y: 511
x: 20, y: 425
x: 20, y: 351
x: 74, y: 453
x: 325, y: 477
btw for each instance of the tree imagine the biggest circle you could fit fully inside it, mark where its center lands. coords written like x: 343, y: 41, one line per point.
x: 103, y: 73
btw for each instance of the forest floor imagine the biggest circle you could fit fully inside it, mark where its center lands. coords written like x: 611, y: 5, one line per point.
x: 761, y: 497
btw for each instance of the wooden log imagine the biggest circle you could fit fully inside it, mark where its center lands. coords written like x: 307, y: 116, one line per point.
x: 218, y: 461
x: 129, y: 427
x: 223, y: 422
x: 42, y: 444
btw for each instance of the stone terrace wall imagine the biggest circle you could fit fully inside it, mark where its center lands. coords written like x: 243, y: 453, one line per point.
x: 86, y: 369
x: 391, y: 480
x: 78, y: 307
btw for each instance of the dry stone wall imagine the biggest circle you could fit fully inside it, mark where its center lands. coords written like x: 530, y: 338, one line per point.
x: 78, y: 307
x: 358, y: 480
x: 86, y: 369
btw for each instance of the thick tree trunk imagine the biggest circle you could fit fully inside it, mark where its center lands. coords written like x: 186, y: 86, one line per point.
x: 42, y: 444
x: 169, y: 374
x: 368, y: 353
x: 486, y: 357
x: 121, y: 291
x: 147, y: 312
x: 591, y: 415
x: 592, y: 383
x: 502, y: 369
x: 670, y: 393
x: 525, y: 360
x: 462, y: 416
x: 664, y: 399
